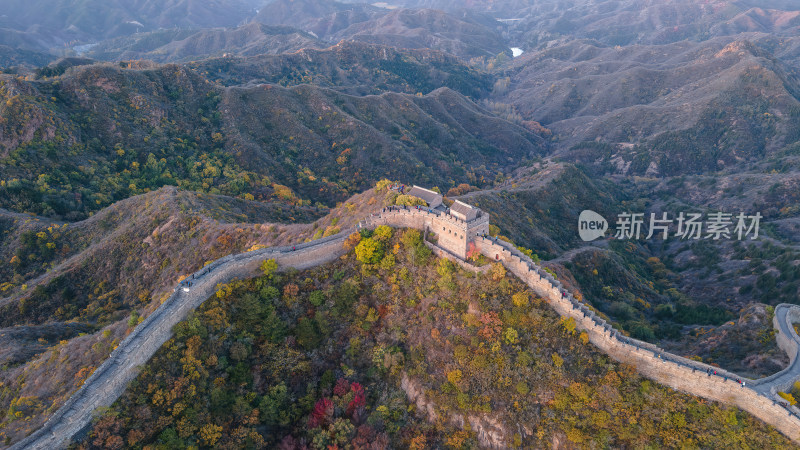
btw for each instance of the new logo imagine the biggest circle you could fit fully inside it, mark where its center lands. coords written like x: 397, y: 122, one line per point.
x: 591, y: 225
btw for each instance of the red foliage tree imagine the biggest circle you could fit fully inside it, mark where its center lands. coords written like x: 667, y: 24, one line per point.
x: 472, y: 252
x: 492, y: 326
x: 342, y: 387
x: 323, y: 411
x: 359, y: 399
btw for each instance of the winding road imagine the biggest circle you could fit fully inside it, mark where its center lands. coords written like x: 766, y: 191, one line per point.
x: 785, y: 316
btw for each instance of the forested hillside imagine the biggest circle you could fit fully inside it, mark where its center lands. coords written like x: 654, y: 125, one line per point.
x: 75, y: 142
x: 326, y: 357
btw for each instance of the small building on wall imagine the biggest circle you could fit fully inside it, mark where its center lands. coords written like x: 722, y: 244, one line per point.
x: 463, y: 211
x: 433, y: 199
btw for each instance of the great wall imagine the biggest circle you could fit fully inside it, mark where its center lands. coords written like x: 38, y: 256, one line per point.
x: 110, y: 380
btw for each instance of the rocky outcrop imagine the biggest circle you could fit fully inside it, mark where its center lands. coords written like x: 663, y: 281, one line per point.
x: 489, y: 431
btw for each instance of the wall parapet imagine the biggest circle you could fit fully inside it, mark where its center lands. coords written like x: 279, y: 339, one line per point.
x: 651, y: 361
x: 443, y: 253
x: 110, y: 380
x: 788, y: 341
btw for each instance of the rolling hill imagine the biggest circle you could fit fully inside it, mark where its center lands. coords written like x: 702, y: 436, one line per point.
x: 66, y: 21
x: 353, y: 68
x: 189, y: 45
x: 323, y: 18
x: 669, y: 109
x: 466, y: 35
x: 460, y: 35
x: 73, y: 143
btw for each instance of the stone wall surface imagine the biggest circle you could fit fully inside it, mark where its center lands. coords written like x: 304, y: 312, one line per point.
x: 442, y: 253
x: 110, y: 380
x: 652, y: 362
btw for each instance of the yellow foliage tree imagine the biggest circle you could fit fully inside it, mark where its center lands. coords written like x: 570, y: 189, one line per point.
x: 498, y: 272
x: 569, y: 325
x: 210, y: 434
x: 382, y: 233
x: 511, y: 336
x: 454, y: 376
x: 409, y: 200
x: 557, y: 360
x: 520, y: 299
x: 381, y: 185
x: 268, y: 267
x: 788, y: 397
x: 369, y: 251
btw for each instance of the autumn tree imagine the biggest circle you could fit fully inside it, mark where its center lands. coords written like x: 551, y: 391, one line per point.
x: 351, y: 241
x: 268, y: 268
x: 210, y: 434
x: 409, y: 200
x: 382, y: 233
x: 498, y: 272
x: 369, y: 251
x: 520, y: 299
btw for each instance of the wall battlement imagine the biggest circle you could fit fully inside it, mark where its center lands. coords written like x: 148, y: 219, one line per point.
x: 111, y: 379
x: 757, y: 397
x: 652, y: 362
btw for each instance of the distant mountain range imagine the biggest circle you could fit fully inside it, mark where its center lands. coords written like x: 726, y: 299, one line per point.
x: 462, y: 36
x: 182, y: 30
x: 476, y: 28
x: 324, y: 18
x: 684, y: 92
x: 93, y: 20
x: 177, y: 45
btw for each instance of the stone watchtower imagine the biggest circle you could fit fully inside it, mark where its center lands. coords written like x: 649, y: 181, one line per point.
x: 456, y: 227
x: 459, y: 226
